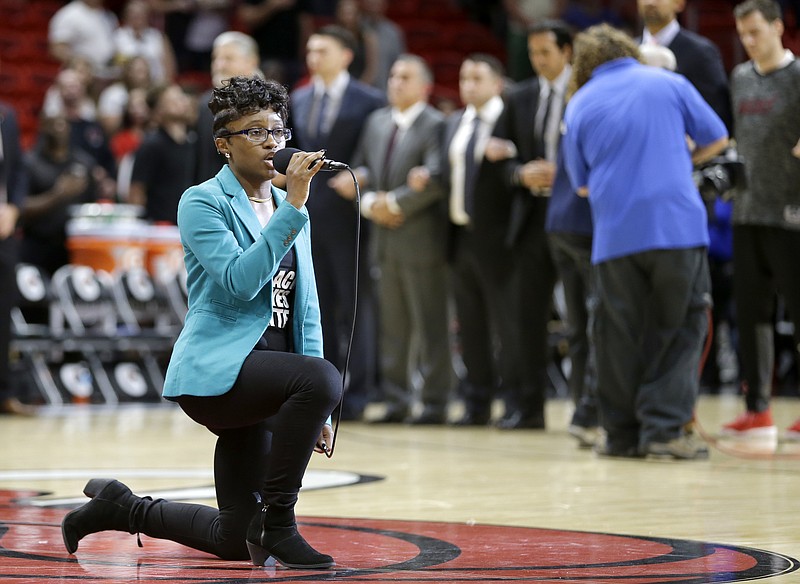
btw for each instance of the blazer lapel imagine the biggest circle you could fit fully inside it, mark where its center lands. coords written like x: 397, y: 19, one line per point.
x: 239, y: 203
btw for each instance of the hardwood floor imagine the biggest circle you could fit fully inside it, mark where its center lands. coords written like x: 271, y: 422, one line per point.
x: 454, y: 476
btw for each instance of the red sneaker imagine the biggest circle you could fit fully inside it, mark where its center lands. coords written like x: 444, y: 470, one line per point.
x: 752, y: 425
x: 793, y: 432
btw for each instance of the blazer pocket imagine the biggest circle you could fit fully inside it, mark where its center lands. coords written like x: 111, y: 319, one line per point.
x: 231, y: 309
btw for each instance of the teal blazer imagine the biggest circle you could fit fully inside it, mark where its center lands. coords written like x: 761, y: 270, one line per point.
x: 230, y: 261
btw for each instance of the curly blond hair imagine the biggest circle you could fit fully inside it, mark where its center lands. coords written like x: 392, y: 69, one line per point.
x: 597, y: 45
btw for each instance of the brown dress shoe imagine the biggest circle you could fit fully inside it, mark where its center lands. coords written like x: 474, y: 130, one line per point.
x: 13, y: 406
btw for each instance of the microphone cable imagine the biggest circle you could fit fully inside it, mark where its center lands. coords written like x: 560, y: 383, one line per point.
x: 346, y: 368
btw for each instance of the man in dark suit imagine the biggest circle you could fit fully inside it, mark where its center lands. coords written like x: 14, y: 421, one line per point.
x: 399, y: 158
x: 698, y: 59
x: 13, y: 190
x: 233, y: 53
x: 479, y: 206
x: 546, y: 203
x: 531, y: 122
x: 329, y: 113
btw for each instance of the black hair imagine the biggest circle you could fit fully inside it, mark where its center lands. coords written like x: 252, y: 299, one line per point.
x: 339, y: 33
x: 240, y: 96
x: 560, y: 29
x: 491, y: 61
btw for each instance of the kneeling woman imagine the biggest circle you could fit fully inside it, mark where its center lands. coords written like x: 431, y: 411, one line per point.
x: 248, y: 364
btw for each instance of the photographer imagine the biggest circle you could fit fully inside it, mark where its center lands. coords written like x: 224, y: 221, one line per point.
x: 718, y: 181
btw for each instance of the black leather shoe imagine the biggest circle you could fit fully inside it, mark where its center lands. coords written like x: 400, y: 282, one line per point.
x: 391, y: 416
x: 473, y: 418
x: 428, y: 417
x: 15, y: 407
x: 608, y: 450
x: 519, y: 421
x: 349, y: 415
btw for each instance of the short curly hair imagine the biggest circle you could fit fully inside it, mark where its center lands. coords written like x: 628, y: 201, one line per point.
x: 595, y: 46
x: 240, y: 96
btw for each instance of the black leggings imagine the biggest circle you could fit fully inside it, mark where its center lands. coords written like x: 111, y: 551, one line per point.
x: 267, y: 426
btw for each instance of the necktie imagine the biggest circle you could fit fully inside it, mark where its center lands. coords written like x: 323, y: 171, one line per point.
x: 470, y: 169
x: 542, y: 125
x: 387, y: 159
x: 322, y: 109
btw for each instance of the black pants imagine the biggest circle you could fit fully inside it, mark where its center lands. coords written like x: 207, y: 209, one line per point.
x: 764, y: 262
x: 266, y: 427
x: 8, y: 298
x: 484, y: 299
x: 572, y: 255
x: 534, y: 280
x: 650, y: 324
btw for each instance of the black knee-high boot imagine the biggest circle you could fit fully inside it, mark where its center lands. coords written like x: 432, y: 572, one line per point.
x: 114, y: 507
x: 273, y: 536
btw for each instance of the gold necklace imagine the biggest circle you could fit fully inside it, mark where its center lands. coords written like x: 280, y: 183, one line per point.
x: 257, y: 200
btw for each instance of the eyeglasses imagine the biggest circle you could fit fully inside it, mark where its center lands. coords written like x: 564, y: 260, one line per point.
x: 259, y: 135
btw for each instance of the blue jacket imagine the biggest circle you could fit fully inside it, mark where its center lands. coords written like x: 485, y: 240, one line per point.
x: 230, y: 261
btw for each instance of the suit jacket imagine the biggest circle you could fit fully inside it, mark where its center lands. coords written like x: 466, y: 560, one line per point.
x: 209, y: 161
x: 337, y: 216
x: 230, y: 261
x: 421, y: 238
x: 517, y: 124
x: 699, y: 60
x: 16, y: 177
x: 492, y: 195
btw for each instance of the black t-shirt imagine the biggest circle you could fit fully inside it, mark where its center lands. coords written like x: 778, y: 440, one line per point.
x: 166, y: 169
x: 278, y: 336
x: 43, y: 172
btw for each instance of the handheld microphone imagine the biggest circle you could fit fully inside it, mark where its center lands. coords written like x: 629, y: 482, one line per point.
x: 280, y: 161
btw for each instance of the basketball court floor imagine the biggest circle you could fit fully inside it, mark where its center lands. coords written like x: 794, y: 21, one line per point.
x: 413, y: 504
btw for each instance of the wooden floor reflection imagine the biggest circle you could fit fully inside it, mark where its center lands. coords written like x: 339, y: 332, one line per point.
x: 415, y: 504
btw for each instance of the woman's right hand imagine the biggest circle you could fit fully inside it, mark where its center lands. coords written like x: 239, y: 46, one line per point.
x: 303, y: 166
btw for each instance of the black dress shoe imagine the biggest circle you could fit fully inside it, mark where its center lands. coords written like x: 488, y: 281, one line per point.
x: 391, y: 416
x: 13, y: 406
x: 520, y: 421
x: 618, y: 450
x: 428, y: 417
x: 351, y: 415
x: 473, y: 418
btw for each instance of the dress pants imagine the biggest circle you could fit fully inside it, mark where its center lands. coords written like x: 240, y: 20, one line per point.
x: 572, y: 255
x: 414, y: 334
x: 334, y: 266
x: 534, y: 280
x: 482, y: 283
x: 8, y: 298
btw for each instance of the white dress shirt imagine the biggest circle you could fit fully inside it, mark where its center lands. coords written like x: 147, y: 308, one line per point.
x: 663, y: 37
x: 488, y: 113
x: 335, y: 93
x: 403, y: 120
x: 552, y: 126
